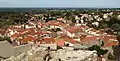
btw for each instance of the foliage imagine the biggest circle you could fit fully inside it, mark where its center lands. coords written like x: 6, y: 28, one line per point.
x: 58, y: 29
x: 5, y: 38
x: 8, y: 19
x: 58, y: 47
x: 111, y: 57
x: 104, y: 25
x: 102, y: 44
x: 55, y: 29
x: 98, y: 49
x: 118, y: 37
x: 116, y: 27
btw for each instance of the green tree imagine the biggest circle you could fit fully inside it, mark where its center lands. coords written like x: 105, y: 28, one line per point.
x: 102, y: 44
x: 5, y: 38
x: 116, y: 27
x: 98, y: 49
x: 111, y: 57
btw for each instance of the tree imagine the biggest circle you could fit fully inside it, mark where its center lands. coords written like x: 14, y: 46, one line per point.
x: 98, y: 49
x: 103, y: 25
x: 102, y: 44
x: 116, y: 27
x: 118, y: 38
x: 111, y: 57
x: 58, y: 29
x: 58, y: 47
x: 5, y: 38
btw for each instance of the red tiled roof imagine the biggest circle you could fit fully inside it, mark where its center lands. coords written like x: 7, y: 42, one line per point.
x: 39, y: 33
x: 60, y: 42
x: 99, y: 32
x: 84, y: 26
x: 48, y: 40
x: 16, y: 35
x: 55, y: 23
x: 108, y: 37
x: 21, y: 30
x: 89, y: 38
x: 110, y: 44
x: 41, y: 24
x: 64, y: 35
x: 30, y: 32
x: 28, y: 38
x: 82, y: 37
x: 70, y: 40
x: 73, y: 29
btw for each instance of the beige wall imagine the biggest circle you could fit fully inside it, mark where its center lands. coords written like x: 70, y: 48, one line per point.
x: 20, y: 49
x: 7, y: 50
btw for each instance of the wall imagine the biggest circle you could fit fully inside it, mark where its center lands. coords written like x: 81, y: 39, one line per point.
x: 52, y: 46
x: 6, y: 49
x: 20, y: 49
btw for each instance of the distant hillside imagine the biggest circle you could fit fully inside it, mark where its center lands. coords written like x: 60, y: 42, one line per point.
x: 38, y: 9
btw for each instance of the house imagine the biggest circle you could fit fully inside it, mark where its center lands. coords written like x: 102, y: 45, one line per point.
x: 38, y: 24
x: 28, y: 38
x: 110, y: 44
x: 105, y: 16
x: 96, y: 24
x: 71, y: 31
x: 47, y: 41
x: 109, y: 41
x: 55, y: 24
x: 90, y: 40
x: 60, y: 42
x: 59, y: 19
x: 27, y: 26
x: 16, y: 36
x: 69, y: 41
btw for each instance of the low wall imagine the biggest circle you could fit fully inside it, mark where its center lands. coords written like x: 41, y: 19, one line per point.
x: 52, y: 46
x: 20, y: 49
x: 6, y: 49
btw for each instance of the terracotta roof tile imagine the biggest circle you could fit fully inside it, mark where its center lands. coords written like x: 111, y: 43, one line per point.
x: 108, y: 37
x: 82, y: 37
x: 89, y: 38
x: 55, y: 23
x: 21, y: 30
x: 73, y: 29
x: 39, y: 33
x: 28, y: 38
x: 110, y: 44
x: 70, y: 40
x: 16, y: 35
x: 60, y: 42
x: 48, y: 40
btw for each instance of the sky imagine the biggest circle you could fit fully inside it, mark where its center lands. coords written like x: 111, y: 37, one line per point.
x: 61, y: 3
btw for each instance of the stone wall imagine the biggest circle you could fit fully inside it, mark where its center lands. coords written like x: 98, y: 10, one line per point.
x: 52, y: 46
x: 20, y: 49
x: 6, y: 49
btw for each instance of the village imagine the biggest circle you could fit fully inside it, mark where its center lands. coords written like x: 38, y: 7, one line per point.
x: 59, y: 40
